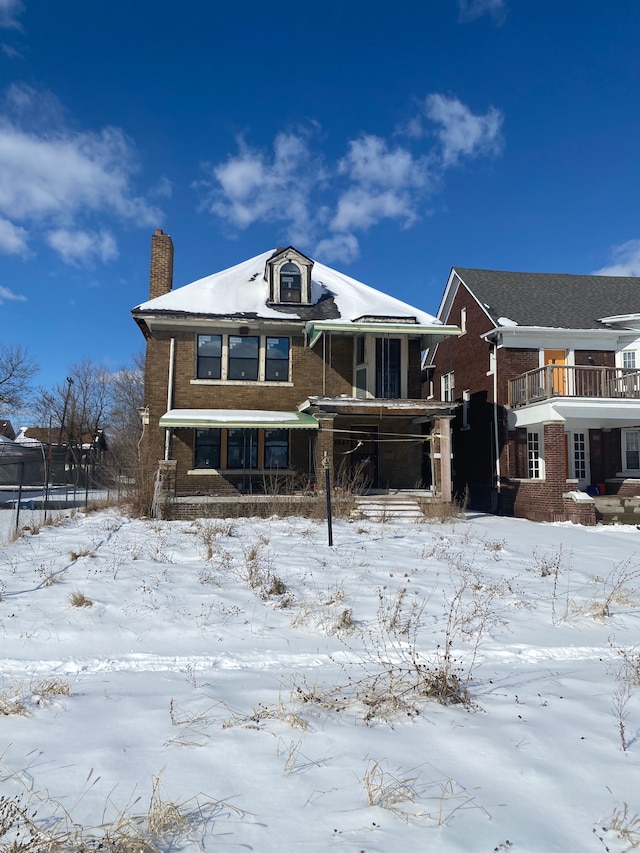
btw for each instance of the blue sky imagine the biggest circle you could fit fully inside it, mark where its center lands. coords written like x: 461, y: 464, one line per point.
x: 390, y: 141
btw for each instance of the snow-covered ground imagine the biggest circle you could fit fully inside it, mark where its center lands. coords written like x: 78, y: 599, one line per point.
x: 275, y: 689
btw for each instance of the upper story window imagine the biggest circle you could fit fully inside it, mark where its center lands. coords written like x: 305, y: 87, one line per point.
x: 209, y: 357
x: 288, y: 277
x: 243, y: 358
x: 629, y: 360
x: 290, y: 283
x: 448, y: 387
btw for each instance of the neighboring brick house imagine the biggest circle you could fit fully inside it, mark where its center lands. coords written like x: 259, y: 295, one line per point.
x: 545, y: 376
x: 256, y: 374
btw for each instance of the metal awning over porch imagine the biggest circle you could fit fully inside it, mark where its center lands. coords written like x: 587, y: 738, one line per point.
x: 237, y: 419
x: 428, y: 334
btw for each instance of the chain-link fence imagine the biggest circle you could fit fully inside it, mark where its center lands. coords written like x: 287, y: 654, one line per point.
x: 31, y: 496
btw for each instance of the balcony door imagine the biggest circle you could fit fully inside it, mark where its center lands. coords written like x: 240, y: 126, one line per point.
x: 553, y: 358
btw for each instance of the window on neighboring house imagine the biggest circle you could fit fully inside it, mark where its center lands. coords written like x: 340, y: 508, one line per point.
x: 447, y: 387
x: 276, y: 366
x: 209, y: 357
x: 492, y: 360
x: 207, y: 448
x: 579, y: 455
x: 631, y: 449
x: 534, y: 457
x: 242, y: 448
x: 243, y: 357
x: 463, y: 320
x: 276, y: 448
x: 388, y: 361
x: 290, y: 283
x: 629, y: 360
x: 466, y: 399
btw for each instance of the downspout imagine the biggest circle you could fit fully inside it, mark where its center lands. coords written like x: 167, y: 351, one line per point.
x: 172, y: 356
x: 495, y: 416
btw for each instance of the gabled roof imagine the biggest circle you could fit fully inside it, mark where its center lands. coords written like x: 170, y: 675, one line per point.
x: 241, y: 292
x: 551, y: 300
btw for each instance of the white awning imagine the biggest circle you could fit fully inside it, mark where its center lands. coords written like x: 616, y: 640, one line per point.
x: 237, y: 419
x: 431, y: 334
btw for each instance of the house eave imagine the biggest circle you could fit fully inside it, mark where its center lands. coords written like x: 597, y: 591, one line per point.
x: 587, y: 413
x: 428, y: 334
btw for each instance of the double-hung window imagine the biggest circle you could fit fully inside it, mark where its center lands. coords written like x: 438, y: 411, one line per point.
x: 448, y: 388
x: 209, y: 357
x: 241, y: 449
x: 207, y: 449
x: 243, y: 358
x: 534, y: 456
x: 276, y: 362
x: 244, y: 354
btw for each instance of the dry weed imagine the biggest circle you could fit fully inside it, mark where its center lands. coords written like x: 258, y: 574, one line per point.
x: 79, y: 599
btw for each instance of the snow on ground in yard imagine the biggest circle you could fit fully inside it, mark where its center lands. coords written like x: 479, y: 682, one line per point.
x: 279, y: 685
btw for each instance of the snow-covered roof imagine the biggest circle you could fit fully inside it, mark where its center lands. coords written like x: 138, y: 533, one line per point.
x: 242, y: 290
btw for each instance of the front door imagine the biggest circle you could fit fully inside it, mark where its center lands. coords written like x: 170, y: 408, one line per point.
x: 557, y: 357
x: 364, y: 458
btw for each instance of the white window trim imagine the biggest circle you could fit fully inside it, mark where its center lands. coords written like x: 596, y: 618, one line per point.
x: 262, y: 363
x: 466, y: 399
x: 626, y: 472
x: 541, y: 466
x: 370, y: 364
x: 463, y: 321
x: 573, y: 474
x: 448, y: 387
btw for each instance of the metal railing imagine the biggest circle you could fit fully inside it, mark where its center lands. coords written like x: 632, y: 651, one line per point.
x: 561, y: 380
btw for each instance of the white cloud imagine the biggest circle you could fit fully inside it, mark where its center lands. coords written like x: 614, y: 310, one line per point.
x: 13, y: 238
x: 339, y: 247
x: 375, y: 180
x: 462, y: 133
x: 10, y: 10
x: 43, y: 176
x: 371, y: 162
x: 6, y: 295
x: 57, y: 180
x: 82, y: 248
x: 255, y: 186
x: 627, y: 260
x: 470, y: 10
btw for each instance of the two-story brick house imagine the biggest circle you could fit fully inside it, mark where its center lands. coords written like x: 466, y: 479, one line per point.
x: 545, y: 376
x: 258, y: 375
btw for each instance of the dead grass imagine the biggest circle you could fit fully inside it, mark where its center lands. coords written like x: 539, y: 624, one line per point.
x: 79, y: 599
x: 31, y: 822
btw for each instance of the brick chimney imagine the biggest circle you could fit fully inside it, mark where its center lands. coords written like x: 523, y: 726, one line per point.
x: 161, y: 277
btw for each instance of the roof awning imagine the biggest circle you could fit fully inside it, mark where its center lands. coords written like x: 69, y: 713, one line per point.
x: 237, y: 419
x: 430, y: 334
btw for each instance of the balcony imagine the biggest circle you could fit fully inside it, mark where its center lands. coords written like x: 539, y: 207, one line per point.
x: 555, y: 380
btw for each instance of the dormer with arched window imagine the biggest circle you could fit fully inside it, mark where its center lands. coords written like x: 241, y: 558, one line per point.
x: 288, y: 274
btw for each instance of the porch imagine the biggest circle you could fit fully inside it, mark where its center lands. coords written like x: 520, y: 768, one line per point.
x: 562, y: 380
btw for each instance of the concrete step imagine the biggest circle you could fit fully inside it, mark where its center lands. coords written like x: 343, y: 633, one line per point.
x: 383, y: 508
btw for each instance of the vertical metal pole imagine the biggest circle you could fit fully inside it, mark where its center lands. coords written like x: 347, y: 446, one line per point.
x: 19, y: 494
x: 327, y: 485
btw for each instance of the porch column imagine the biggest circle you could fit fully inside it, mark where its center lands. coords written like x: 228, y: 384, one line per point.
x: 442, y: 454
x: 324, y: 444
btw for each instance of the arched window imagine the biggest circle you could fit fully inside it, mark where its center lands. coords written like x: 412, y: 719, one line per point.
x: 290, y: 283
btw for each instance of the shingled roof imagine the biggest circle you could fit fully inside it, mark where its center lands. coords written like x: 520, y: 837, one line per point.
x: 552, y: 300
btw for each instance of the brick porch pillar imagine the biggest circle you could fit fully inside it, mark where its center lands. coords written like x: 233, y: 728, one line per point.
x: 555, y: 467
x: 442, y: 457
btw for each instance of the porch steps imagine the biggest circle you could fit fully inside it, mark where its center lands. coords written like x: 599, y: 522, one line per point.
x: 387, y: 508
x: 611, y: 509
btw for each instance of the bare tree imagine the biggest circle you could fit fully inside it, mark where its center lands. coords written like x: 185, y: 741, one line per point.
x: 125, y: 424
x: 76, y: 413
x: 17, y: 369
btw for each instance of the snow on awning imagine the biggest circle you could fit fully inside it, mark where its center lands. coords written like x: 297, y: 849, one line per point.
x: 237, y: 419
x: 431, y: 334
